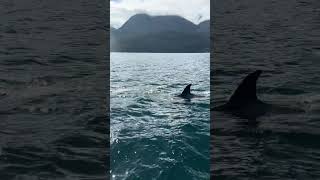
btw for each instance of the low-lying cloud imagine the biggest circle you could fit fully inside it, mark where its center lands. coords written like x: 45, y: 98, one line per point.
x: 193, y: 10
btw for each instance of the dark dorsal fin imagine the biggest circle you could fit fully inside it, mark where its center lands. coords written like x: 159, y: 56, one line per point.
x: 246, y: 91
x: 186, y: 90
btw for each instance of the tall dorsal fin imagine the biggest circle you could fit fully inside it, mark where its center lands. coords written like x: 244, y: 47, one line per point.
x: 186, y: 90
x: 246, y: 91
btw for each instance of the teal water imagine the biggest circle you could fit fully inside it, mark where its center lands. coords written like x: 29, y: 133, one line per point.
x: 154, y: 133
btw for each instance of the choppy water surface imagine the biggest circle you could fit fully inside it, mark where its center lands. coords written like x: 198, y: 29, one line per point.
x: 53, y: 122
x: 282, y: 39
x: 154, y: 134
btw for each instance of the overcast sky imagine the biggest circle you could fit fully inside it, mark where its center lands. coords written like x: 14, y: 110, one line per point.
x: 193, y: 10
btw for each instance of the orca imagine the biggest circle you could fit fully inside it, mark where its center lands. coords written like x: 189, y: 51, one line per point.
x: 187, y: 92
x: 244, y: 102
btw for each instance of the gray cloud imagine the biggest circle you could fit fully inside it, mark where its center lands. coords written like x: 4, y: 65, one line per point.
x: 193, y: 10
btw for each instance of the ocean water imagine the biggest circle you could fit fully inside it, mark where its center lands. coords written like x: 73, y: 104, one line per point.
x: 154, y: 133
x: 53, y: 121
x: 282, y: 39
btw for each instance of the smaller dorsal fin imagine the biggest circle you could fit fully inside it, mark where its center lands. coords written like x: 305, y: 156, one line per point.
x: 186, y: 90
x: 246, y: 91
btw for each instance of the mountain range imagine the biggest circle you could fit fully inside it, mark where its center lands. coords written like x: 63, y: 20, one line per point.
x: 145, y: 33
